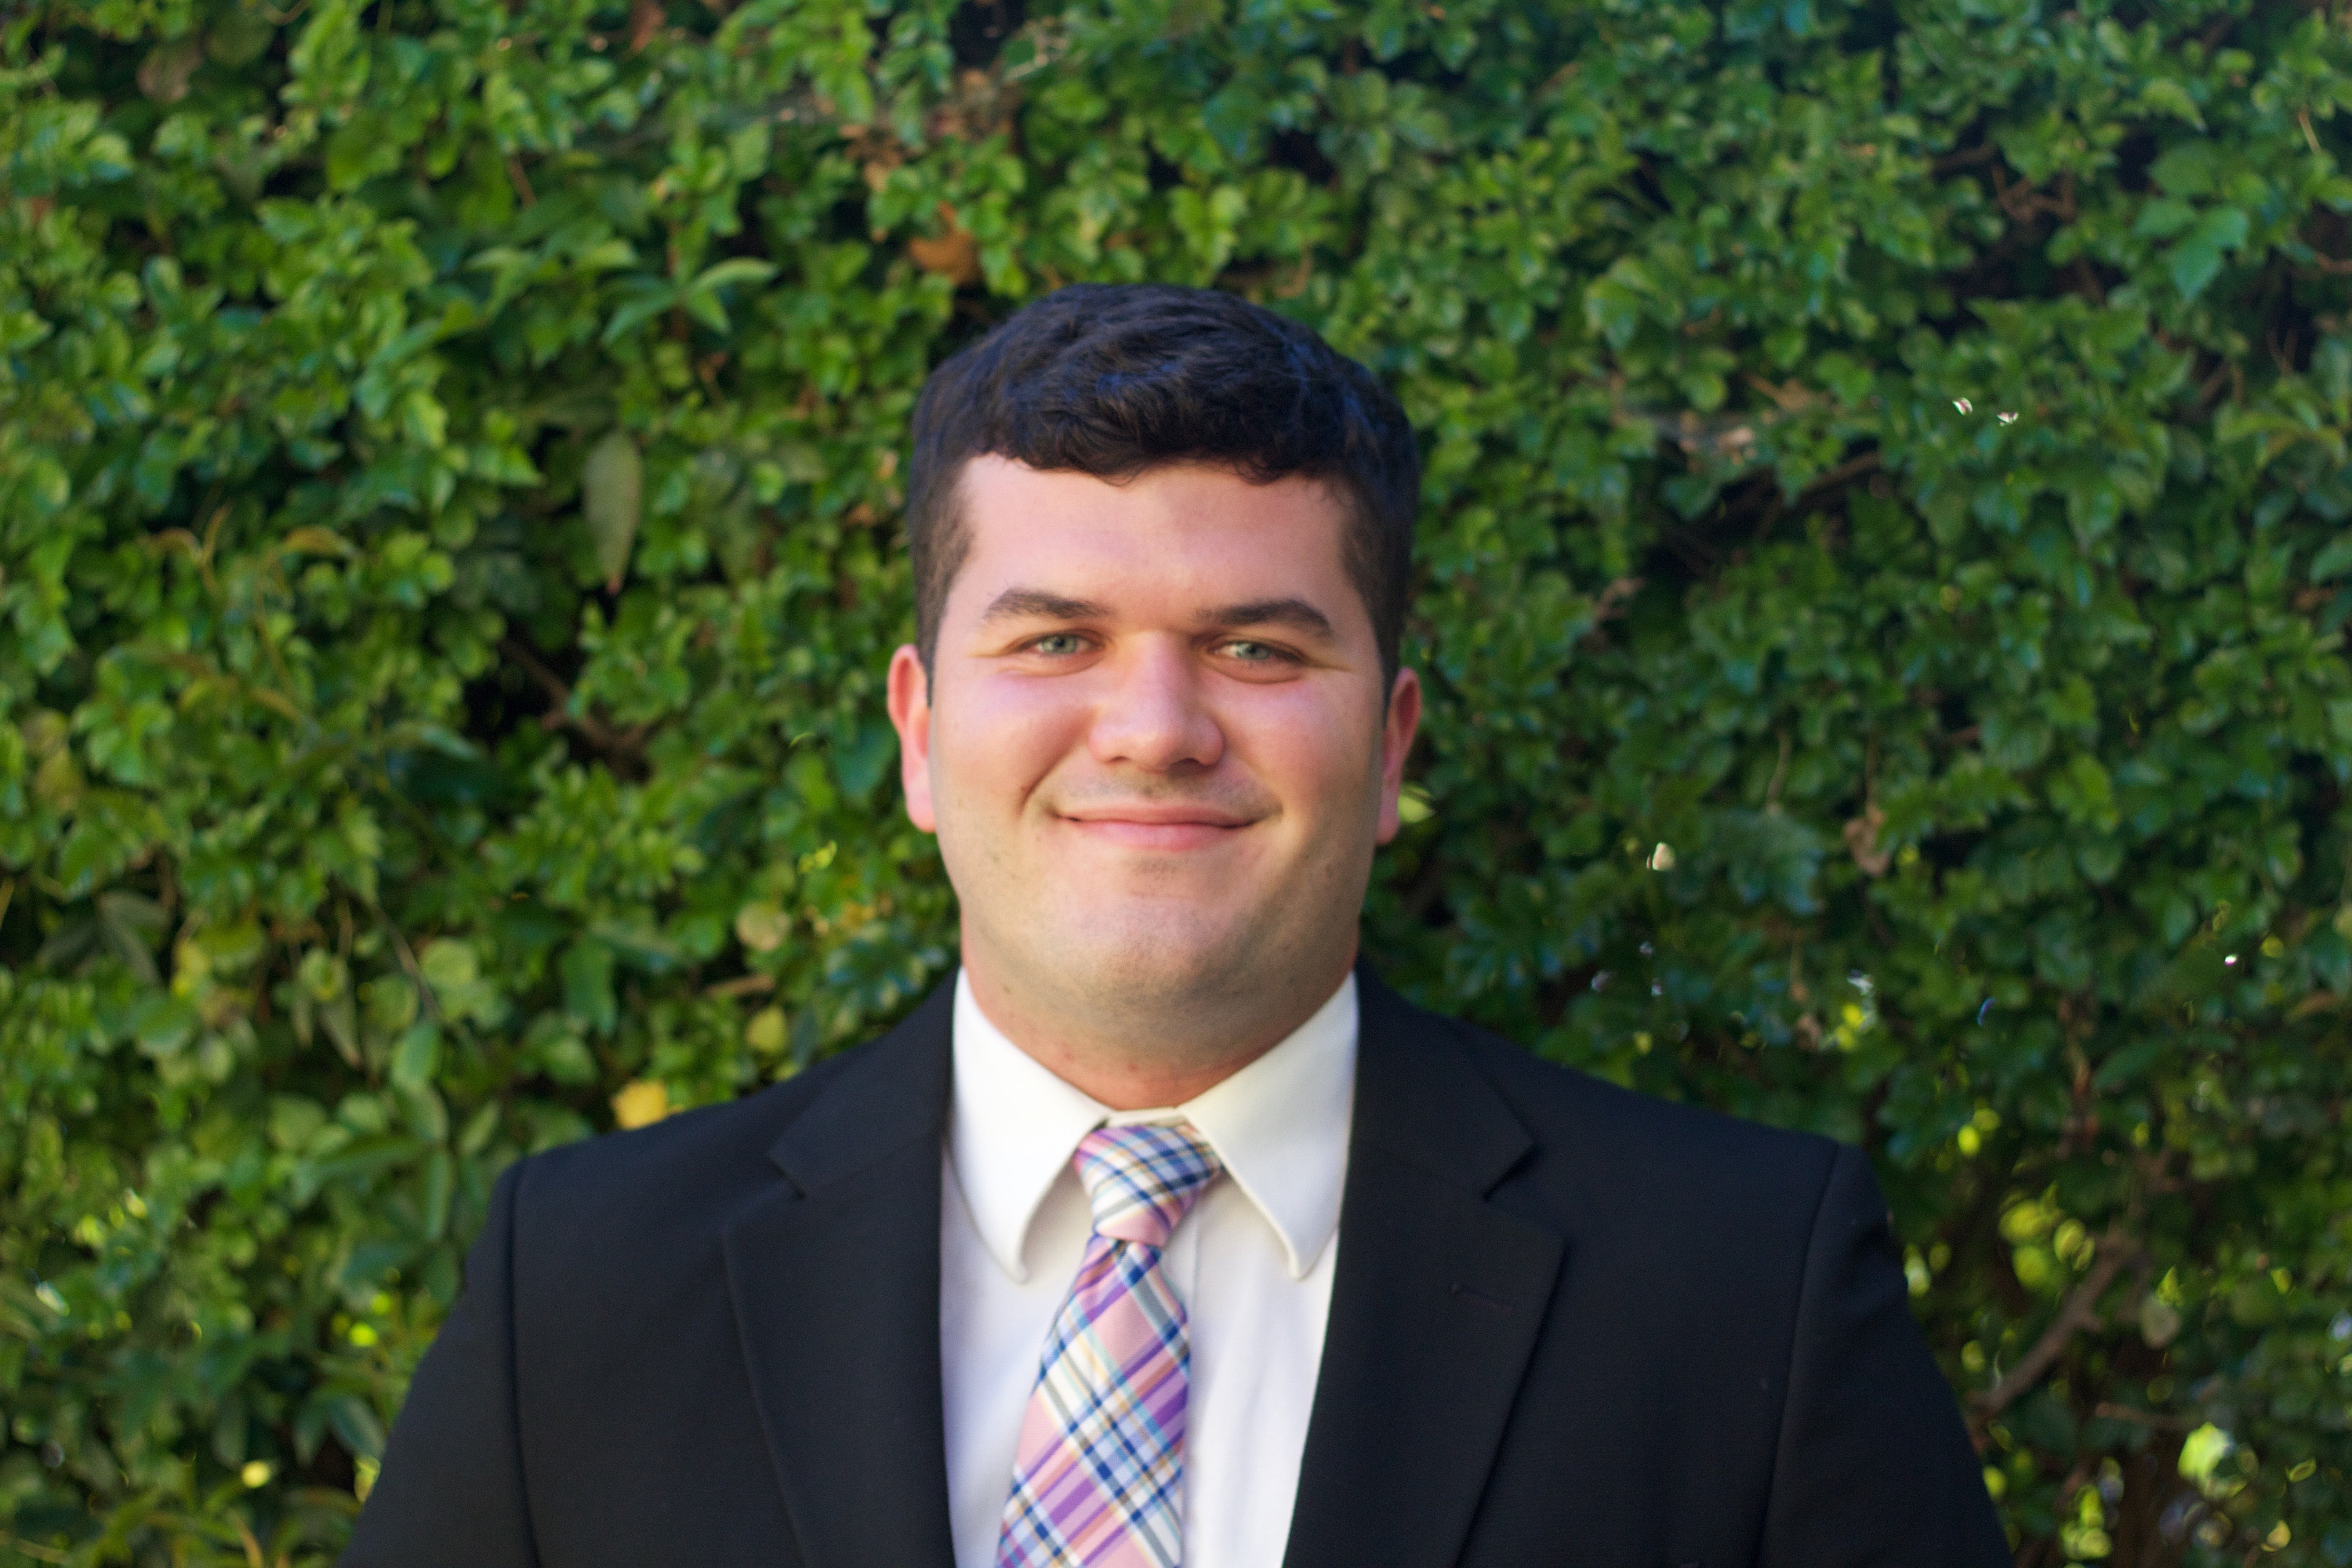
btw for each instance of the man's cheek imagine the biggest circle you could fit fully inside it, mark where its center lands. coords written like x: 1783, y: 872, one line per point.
x: 1311, y: 761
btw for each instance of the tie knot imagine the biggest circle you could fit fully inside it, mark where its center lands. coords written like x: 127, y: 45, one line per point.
x: 1140, y: 1180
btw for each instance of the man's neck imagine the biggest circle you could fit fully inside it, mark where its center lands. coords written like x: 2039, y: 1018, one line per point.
x: 1143, y: 1068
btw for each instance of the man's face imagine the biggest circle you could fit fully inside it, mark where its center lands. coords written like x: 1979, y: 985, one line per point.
x: 1153, y: 744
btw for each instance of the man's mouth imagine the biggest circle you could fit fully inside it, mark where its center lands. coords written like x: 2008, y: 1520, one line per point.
x: 1165, y: 826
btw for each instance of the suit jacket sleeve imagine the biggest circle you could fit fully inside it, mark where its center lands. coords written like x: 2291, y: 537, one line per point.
x: 451, y: 1493
x: 1874, y: 1468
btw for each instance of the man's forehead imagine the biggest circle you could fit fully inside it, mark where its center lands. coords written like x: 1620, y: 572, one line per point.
x: 1187, y: 543
x: 1201, y: 515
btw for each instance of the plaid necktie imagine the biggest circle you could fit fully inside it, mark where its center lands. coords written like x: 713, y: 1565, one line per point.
x: 1099, y: 1477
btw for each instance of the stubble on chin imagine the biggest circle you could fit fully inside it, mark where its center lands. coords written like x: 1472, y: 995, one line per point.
x: 1176, y: 983
x: 1145, y: 961
x: 1127, y: 978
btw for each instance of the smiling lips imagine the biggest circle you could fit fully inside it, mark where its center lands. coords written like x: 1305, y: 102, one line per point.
x: 1168, y: 827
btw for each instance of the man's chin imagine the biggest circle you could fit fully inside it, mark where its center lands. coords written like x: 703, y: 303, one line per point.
x: 1164, y: 868
x: 1148, y: 955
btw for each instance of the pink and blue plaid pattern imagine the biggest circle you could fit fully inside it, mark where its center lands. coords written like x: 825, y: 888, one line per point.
x: 1099, y: 1480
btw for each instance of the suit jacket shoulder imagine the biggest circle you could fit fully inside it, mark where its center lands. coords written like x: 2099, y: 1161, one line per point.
x: 1626, y: 1168
x: 651, y: 1185
x: 714, y: 1340
x: 1716, y: 1361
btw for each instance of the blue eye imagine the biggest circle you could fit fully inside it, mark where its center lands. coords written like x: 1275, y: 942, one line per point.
x: 1056, y: 642
x: 1251, y: 652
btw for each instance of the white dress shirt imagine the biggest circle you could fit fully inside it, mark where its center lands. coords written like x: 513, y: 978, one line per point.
x: 1251, y: 1263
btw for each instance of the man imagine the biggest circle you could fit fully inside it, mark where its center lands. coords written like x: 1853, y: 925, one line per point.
x: 1164, y: 1233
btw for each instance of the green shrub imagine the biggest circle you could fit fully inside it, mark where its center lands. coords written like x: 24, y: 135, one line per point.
x: 1884, y: 573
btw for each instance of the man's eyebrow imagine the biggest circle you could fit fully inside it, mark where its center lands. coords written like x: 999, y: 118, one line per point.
x: 1036, y: 603
x: 1296, y: 613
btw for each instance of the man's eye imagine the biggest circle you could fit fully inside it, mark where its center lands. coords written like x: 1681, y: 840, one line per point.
x: 1056, y: 643
x: 1252, y: 652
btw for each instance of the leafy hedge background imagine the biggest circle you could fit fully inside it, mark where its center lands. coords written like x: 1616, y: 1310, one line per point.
x: 1884, y: 574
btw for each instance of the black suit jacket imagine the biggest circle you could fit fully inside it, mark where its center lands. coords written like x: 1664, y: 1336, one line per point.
x: 1571, y: 1325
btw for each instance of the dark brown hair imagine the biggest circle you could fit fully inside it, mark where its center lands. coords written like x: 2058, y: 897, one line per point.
x: 1114, y: 379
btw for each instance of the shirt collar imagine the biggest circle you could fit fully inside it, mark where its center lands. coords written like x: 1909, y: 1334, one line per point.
x: 1279, y: 1126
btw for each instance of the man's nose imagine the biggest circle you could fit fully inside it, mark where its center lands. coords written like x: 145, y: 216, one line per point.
x: 1156, y: 713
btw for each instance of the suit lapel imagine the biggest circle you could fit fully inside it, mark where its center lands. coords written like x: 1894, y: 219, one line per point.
x: 1437, y: 1303
x: 836, y: 1281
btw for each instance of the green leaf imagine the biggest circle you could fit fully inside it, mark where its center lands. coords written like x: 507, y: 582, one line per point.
x: 2333, y: 560
x: 735, y: 270
x: 416, y: 1058
x: 239, y: 37
x: 2193, y: 262
x: 2163, y: 95
x: 449, y: 963
x: 161, y: 1024
x: 2164, y: 217
x: 359, y: 1429
x: 642, y: 298
x: 612, y: 487
x: 587, y: 974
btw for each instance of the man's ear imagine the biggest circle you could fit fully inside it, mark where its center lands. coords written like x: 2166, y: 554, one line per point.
x: 910, y: 715
x: 1397, y: 731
